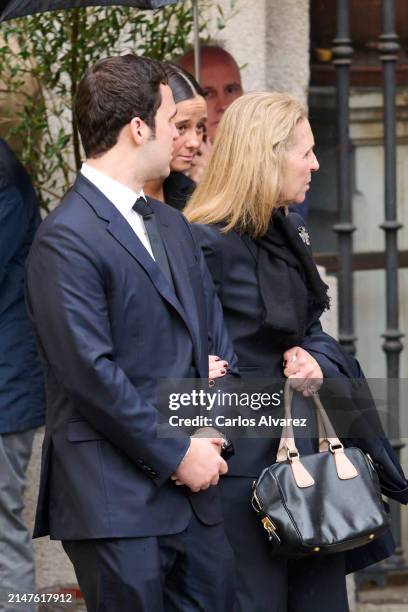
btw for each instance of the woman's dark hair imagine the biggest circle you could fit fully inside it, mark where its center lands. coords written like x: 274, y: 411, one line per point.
x: 112, y: 92
x: 182, y: 83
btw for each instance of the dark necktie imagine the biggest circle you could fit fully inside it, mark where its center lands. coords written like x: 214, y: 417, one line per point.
x: 143, y: 208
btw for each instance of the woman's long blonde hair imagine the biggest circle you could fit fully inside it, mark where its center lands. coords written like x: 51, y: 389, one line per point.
x: 243, y: 180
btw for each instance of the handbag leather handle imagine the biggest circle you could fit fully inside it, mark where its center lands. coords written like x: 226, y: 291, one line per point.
x: 287, y: 447
x: 287, y: 441
x: 328, y: 441
x: 326, y: 432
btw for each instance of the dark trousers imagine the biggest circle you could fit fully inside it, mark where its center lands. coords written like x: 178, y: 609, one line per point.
x: 187, y: 572
x: 17, y: 575
x: 267, y: 584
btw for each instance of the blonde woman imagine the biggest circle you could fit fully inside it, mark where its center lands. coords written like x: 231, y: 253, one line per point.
x: 272, y: 296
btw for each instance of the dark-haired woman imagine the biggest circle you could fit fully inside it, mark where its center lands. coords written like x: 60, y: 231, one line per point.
x: 177, y: 187
x: 190, y: 122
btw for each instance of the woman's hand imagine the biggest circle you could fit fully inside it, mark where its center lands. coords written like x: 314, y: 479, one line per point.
x: 303, y: 370
x: 217, y: 367
x: 200, y: 161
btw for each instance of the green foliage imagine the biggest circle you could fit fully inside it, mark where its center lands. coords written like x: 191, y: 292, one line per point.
x: 51, y: 52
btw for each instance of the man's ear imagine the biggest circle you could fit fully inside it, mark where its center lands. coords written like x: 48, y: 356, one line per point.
x: 139, y: 131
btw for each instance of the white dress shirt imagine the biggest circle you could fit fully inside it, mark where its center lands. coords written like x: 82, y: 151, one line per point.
x: 122, y: 198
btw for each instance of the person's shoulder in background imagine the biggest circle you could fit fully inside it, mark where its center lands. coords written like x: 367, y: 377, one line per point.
x: 13, y: 176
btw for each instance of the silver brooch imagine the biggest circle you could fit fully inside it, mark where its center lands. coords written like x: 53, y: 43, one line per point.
x: 304, y: 235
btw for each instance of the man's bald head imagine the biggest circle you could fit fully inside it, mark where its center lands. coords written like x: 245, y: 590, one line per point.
x: 220, y: 79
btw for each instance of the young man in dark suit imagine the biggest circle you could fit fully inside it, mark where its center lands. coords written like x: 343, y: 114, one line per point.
x: 120, y: 297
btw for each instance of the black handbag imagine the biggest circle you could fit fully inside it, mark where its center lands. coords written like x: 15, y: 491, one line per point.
x: 322, y: 503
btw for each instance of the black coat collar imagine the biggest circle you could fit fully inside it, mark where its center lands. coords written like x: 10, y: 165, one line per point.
x: 177, y: 189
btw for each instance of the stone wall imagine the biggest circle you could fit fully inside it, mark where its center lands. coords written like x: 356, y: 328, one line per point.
x: 270, y: 39
x: 287, y: 46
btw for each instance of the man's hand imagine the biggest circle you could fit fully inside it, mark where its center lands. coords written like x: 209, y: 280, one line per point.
x: 202, y: 465
x: 303, y: 370
x: 200, y: 161
x: 217, y: 367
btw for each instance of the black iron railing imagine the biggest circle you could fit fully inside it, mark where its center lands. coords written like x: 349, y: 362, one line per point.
x: 342, y: 53
x: 388, y: 47
x: 346, y: 261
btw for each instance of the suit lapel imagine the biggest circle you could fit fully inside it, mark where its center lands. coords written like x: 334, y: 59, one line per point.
x: 181, y: 277
x: 121, y: 231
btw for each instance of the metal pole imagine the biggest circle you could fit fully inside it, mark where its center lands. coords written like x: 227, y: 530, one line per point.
x: 342, y: 52
x: 197, y: 63
x: 392, y: 345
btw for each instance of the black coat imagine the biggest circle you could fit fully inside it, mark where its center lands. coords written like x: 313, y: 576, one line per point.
x: 232, y: 260
x: 22, y: 399
x: 177, y: 189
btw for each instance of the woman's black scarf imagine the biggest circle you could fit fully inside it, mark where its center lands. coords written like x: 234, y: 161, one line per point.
x: 177, y: 189
x: 292, y: 292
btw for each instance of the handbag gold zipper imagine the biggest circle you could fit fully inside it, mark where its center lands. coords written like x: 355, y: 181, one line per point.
x: 268, y: 525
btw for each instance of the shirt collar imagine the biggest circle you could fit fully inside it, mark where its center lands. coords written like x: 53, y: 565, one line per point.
x: 120, y: 195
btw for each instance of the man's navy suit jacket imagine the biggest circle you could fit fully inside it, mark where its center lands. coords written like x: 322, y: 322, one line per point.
x: 109, y: 325
x: 21, y: 377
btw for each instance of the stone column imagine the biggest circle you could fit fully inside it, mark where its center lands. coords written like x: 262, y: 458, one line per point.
x: 270, y: 40
x: 287, y: 46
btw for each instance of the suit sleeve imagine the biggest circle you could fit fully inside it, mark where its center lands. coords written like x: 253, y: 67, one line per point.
x: 12, y: 223
x: 67, y: 302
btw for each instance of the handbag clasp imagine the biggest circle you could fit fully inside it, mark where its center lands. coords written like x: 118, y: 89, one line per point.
x: 335, y: 447
x: 271, y: 529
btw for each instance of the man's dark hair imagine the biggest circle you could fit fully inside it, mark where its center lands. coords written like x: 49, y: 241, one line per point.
x: 182, y: 84
x: 111, y: 93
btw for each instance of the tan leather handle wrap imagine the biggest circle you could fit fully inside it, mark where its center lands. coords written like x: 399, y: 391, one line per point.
x: 287, y: 447
x: 326, y: 432
x: 328, y: 440
x: 287, y: 440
